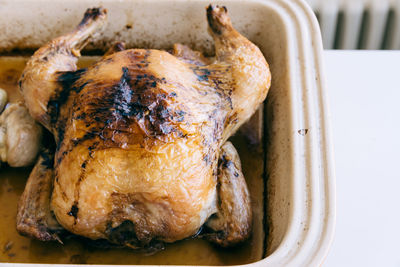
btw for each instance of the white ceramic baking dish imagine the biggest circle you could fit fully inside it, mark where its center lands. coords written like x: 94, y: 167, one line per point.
x: 300, y: 190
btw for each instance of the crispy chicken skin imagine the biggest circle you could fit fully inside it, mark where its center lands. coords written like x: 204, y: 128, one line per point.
x: 141, y: 153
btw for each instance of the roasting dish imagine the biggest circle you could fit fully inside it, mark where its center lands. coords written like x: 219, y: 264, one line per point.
x: 299, y: 190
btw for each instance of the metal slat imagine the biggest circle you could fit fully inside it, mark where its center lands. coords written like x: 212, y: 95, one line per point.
x: 328, y: 11
x: 394, y: 37
x: 378, y: 11
x: 353, y: 13
x: 352, y: 24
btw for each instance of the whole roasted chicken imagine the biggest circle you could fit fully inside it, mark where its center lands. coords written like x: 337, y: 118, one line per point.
x: 141, y: 154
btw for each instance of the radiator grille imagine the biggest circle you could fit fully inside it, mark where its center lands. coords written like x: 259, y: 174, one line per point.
x: 358, y: 24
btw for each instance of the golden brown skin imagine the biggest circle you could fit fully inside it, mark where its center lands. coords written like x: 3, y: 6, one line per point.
x: 140, y: 133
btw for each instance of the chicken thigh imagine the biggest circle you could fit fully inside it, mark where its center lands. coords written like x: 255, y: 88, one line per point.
x: 141, y: 153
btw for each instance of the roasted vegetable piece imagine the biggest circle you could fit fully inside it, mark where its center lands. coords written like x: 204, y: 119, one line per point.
x: 20, y: 136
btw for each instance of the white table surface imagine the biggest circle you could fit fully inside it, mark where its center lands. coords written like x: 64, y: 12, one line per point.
x: 364, y: 97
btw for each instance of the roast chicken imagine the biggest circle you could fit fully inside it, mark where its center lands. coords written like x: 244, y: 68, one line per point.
x: 141, y: 155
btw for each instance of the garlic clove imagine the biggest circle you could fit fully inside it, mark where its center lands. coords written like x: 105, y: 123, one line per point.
x: 3, y: 99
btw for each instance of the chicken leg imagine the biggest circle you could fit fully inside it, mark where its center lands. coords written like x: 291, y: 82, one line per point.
x: 232, y: 223
x: 34, y: 217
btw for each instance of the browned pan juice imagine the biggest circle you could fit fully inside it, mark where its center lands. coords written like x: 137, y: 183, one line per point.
x: 16, y: 248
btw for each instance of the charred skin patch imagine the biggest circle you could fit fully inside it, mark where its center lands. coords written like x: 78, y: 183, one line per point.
x: 203, y: 74
x: 60, y: 97
x: 48, y: 159
x: 92, y: 14
x: 211, y: 20
x: 136, y: 99
x: 122, y: 112
x: 81, y: 178
x: 122, y: 234
x: 214, y: 18
x: 67, y: 82
x: 74, y: 210
x: 226, y: 162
